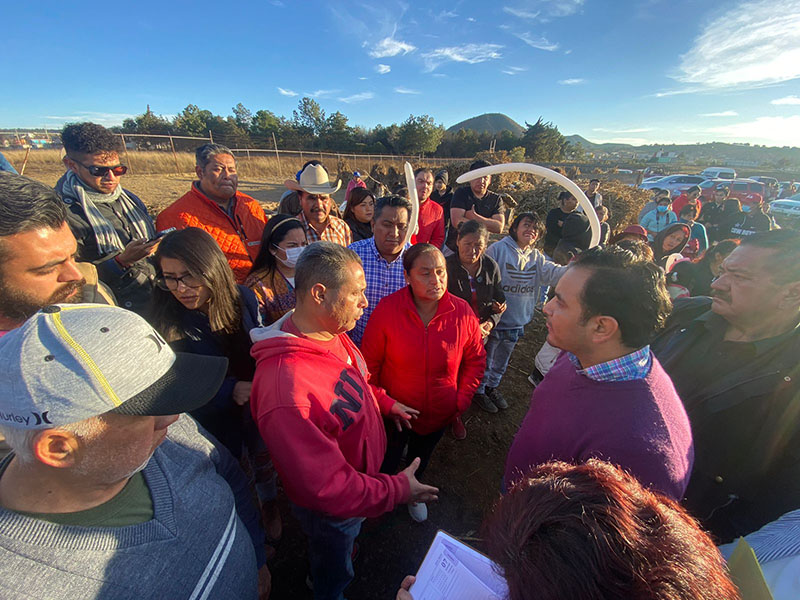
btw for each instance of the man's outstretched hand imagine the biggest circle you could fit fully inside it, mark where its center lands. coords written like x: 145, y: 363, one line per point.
x: 419, y: 491
x: 402, y: 415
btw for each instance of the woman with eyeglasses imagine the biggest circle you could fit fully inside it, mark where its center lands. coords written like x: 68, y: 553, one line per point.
x: 358, y: 213
x: 198, y: 308
x: 272, y: 275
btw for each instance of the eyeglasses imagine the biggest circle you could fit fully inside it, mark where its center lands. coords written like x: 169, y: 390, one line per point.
x: 98, y: 171
x: 171, y: 283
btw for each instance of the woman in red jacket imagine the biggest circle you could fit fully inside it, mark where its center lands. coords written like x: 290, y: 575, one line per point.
x: 423, y: 345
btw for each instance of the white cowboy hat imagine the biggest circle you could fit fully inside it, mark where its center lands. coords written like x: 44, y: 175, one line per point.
x: 313, y: 180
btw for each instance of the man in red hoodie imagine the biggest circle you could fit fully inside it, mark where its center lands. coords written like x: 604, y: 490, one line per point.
x: 321, y: 419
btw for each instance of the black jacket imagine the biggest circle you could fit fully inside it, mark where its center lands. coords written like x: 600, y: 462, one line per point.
x: 133, y: 286
x: 745, y: 421
x: 487, y: 285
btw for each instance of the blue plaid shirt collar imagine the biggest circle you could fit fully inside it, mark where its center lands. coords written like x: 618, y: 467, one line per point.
x: 630, y: 367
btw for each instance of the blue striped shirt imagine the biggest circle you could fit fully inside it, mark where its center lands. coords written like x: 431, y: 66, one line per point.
x: 630, y: 367
x: 383, y: 278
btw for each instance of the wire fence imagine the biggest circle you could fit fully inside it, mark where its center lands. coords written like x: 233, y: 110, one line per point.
x: 150, y: 154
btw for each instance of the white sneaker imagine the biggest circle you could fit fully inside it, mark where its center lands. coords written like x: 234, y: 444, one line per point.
x: 418, y: 511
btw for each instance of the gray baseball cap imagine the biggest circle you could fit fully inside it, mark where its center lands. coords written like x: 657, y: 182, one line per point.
x: 70, y: 362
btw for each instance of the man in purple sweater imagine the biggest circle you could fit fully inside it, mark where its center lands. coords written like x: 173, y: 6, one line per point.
x: 607, y: 396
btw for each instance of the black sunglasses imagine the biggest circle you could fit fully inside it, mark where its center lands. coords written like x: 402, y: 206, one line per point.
x: 96, y: 171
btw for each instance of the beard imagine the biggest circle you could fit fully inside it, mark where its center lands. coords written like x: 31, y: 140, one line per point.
x: 18, y: 305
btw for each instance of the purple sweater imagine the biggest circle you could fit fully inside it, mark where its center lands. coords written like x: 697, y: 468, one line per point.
x: 640, y: 425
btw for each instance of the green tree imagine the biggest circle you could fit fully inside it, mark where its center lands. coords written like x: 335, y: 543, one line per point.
x: 543, y: 142
x: 148, y: 122
x: 420, y: 135
x: 309, y: 117
x: 336, y: 133
x: 193, y: 121
x: 242, y: 116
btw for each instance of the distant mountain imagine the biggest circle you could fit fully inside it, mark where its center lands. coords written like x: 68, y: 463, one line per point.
x: 491, y: 123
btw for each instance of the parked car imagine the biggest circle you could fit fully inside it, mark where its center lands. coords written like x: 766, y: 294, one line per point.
x: 786, y: 211
x: 771, y: 185
x: 786, y: 189
x: 747, y: 191
x: 653, y: 178
x: 718, y: 173
x: 674, y: 183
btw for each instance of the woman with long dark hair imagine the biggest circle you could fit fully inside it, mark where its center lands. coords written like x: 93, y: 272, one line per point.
x: 199, y: 308
x: 358, y: 213
x: 272, y: 275
x: 423, y: 346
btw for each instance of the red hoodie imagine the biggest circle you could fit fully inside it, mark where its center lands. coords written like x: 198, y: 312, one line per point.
x: 435, y: 369
x: 321, y: 421
x: 431, y: 224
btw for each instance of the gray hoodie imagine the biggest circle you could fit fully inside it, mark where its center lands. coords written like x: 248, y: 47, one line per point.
x: 522, y: 273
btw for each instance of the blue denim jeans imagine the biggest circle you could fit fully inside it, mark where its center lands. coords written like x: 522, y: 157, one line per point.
x: 330, y: 546
x: 499, y: 347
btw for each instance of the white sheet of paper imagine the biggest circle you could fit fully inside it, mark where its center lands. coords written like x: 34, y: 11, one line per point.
x: 451, y: 570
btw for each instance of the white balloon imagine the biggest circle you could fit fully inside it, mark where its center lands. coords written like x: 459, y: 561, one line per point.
x: 411, y: 184
x: 565, y: 182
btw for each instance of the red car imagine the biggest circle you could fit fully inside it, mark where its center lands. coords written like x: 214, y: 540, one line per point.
x: 747, y: 191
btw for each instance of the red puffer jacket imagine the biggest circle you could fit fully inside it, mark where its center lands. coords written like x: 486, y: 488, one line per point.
x: 239, y: 238
x: 435, y: 369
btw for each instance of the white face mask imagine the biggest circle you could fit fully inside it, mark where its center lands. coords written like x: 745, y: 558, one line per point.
x: 292, y: 254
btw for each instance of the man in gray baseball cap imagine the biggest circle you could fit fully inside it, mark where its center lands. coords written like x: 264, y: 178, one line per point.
x: 108, y: 492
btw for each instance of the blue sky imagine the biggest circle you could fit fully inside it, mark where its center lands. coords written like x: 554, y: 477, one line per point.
x: 631, y: 71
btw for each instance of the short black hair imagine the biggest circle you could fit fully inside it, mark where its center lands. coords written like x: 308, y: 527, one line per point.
x: 594, y: 179
x: 479, y: 164
x: 472, y: 226
x: 533, y: 217
x: 26, y: 204
x: 785, y: 244
x: 417, y: 250
x: 88, y: 138
x: 631, y: 291
x: 393, y: 201
x: 565, y: 195
x: 694, y: 188
x: 325, y: 263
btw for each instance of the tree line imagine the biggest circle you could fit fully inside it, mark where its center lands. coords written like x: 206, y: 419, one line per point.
x: 310, y: 128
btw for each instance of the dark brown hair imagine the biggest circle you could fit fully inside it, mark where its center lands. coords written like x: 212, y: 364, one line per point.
x: 412, y: 254
x: 200, y: 253
x: 357, y: 196
x: 593, y: 532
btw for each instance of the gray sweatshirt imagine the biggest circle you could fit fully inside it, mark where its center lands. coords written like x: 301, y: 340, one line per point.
x: 522, y: 273
x: 195, y: 546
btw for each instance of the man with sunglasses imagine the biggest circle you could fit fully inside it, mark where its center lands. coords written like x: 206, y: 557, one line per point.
x: 112, y: 226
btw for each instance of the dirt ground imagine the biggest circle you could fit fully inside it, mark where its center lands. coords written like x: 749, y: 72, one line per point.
x: 468, y: 473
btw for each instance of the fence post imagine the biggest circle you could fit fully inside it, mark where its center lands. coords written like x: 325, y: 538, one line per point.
x: 175, y: 156
x: 302, y: 162
x: 127, y: 158
x: 274, y: 141
x: 210, y: 136
x: 25, y: 160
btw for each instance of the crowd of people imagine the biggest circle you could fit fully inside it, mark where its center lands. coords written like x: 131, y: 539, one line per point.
x: 161, y: 375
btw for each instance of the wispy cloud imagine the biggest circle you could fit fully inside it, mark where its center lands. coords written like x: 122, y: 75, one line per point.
x: 786, y: 101
x: 383, y: 69
x: 446, y: 14
x: 389, y: 46
x: 468, y: 53
x: 750, y: 45
x: 633, y: 141
x: 101, y: 118
x: 773, y: 131
x: 363, y: 78
x: 320, y: 93
x: 471, y: 19
x: 632, y: 130
x: 403, y: 90
x: 573, y: 81
x: 284, y: 92
x: 357, y: 97
x: 277, y: 3
x: 520, y: 13
x: 544, y: 10
x: 680, y: 92
x: 514, y: 70
x: 724, y: 113
x: 538, y: 42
